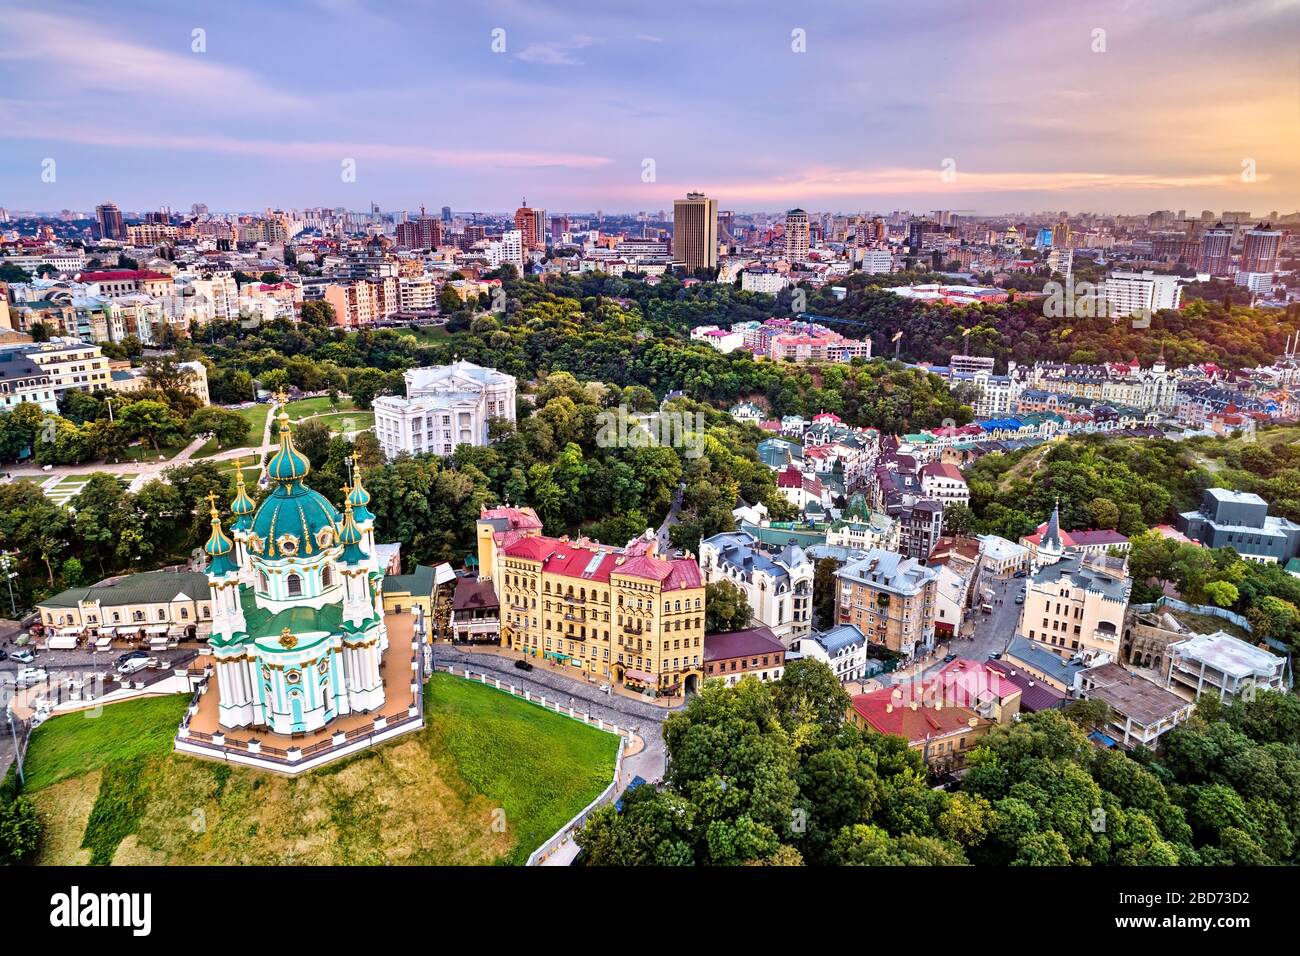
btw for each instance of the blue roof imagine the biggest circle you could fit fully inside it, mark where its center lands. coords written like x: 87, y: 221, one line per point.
x: 839, y: 637
x: 1042, y: 659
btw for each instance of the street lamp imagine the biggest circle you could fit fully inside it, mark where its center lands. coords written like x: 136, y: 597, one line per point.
x: 5, y: 564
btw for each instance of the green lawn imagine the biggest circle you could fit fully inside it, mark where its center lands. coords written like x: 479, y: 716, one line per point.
x: 308, y: 407
x: 255, y: 415
x: 110, y: 789
x: 348, y: 421
x: 541, y: 766
x: 427, y: 333
x: 73, y: 744
x: 143, y: 452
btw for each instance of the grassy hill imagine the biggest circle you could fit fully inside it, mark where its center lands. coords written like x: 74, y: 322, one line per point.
x: 486, y: 781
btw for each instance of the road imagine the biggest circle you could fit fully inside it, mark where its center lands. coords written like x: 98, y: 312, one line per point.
x: 670, y: 519
x: 992, y: 632
x: 65, y: 663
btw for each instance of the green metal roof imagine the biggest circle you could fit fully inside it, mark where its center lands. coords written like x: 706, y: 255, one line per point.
x: 147, y: 587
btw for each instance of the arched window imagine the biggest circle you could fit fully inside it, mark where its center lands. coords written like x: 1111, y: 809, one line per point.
x: 327, y: 577
x: 138, y: 616
x: 162, y: 614
x: 262, y: 583
x: 294, y: 584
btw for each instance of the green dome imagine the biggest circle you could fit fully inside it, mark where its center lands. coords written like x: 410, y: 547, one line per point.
x: 295, y: 510
x: 287, y: 464
x: 219, y: 545
x: 358, y: 497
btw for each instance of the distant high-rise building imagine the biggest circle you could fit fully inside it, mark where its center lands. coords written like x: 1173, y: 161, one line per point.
x: 199, y: 209
x: 917, y: 230
x: 796, y: 235
x: 1061, y: 235
x: 446, y: 215
x: 695, y: 232
x: 111, y: 223
x: 531, y: 225
x: 559, y: 226
x: 1259, y: 249
x: 423, y: 232
x: 1216, y: 250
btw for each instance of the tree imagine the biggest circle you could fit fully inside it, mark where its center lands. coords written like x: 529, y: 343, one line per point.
x: 810, y: 700
x: 151, y: 420
x: 725, y: 608
x: 230, y: 428
x: 20, y: 830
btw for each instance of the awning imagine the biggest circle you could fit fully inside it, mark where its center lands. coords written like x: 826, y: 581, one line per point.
x: 69, y: 631
x: 157, y: 629
x: 108, y: 630
x: 639, y: 676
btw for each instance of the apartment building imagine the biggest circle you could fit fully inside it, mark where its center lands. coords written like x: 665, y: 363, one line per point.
x: 890, y: 598
x: 1222, y: 665
x: 734, y: 655
x: 1075, y: 606
x: 616, y: 614
x: 778, y: 587
x: 1146, y: 292
x: 68, y: 363
x: 22, y: 380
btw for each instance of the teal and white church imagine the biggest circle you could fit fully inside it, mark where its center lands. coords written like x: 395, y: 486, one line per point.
x: 297, y: 603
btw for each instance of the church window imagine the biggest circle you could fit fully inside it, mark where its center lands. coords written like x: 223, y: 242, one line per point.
x: 262, y: 583
x: 327, y: 577
x: 294, y: 585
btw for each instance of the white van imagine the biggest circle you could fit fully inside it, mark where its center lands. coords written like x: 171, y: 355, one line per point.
x: 135, y: 664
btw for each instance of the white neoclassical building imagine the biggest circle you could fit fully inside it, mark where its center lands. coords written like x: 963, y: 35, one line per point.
x: 445, y: 406
x: 778, y: 587
x: 297, y: 604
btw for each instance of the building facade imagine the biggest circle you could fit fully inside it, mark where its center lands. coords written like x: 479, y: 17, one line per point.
x: 445, y: 406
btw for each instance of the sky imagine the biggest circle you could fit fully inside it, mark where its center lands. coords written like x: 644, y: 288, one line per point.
x: 834, y: 105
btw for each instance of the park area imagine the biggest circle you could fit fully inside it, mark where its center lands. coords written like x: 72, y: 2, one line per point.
x: 488, y: 780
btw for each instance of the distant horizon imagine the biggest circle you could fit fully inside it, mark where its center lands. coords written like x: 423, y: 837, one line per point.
x: 1117, y: 109
x: 183, y: 211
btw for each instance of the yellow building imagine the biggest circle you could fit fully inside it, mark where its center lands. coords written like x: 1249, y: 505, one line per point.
x: 615, y: 614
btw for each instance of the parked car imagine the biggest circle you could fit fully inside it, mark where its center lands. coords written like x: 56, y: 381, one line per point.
x: 1021, y: 574
x: 986, y: 608
x: 129, y: 656
x: 4, y: 655
x: 523, y: 665
x: 31, y: 675
x: 996, y: 656
x: 949, y: 658
x: 23, y: 656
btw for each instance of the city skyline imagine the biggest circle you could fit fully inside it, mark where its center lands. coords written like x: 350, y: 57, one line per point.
x: 1046, y: 113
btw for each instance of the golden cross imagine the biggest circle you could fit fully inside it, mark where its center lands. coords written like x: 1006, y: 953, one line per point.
x: 212, y: 502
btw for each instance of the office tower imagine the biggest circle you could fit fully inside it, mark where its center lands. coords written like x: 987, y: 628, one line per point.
x: 559, y: 226
x: 695, y: 232
x: 1216, y: 250
x: 1259, y: 249
x: 446, y: 215
x: 111, y: 224
x: 796, y: 235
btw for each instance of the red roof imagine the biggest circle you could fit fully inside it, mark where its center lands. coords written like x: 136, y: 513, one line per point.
x: 792, y: 477
x: 898, y: 711
x: 120, y: 275
x: 942, y: 469
x: 1079, y: 539
x: 598, y: 562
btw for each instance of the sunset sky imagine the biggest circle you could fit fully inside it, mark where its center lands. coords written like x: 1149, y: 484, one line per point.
x: 1011, y: 91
